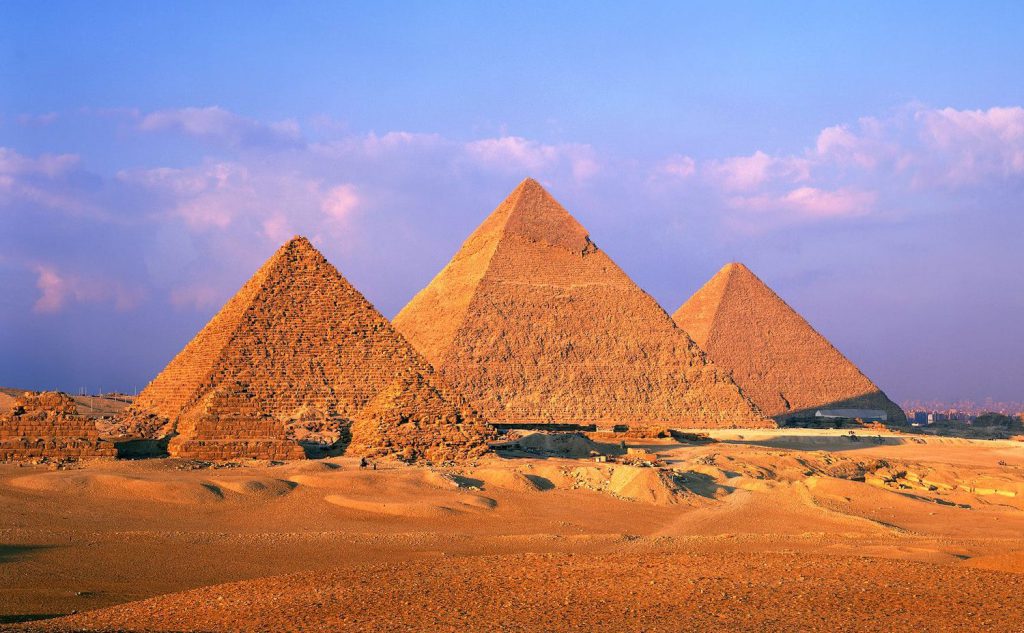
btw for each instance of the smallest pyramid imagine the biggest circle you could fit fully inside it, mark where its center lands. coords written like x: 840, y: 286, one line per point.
x: 228, y: 423
x: 48, y: 425
x: 412, y: 419
x: 776, y: 357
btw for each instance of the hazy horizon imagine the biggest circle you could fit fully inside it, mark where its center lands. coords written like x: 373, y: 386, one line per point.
x: 866, y: 162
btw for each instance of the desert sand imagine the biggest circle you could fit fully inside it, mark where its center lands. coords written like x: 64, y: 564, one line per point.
x: 768, y: 530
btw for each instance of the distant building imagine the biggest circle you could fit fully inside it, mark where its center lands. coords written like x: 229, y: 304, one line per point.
x: 937, y: 417
x: 868, y: 415
x: 920, y: 417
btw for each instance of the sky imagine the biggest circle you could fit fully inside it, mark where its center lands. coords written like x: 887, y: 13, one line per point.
x: 866, y: 160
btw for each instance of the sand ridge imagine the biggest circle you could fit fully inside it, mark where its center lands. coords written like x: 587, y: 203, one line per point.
x: 795, y: 537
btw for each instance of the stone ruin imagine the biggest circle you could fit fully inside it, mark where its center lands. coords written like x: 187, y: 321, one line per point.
x: 228, y: 423
x: 47, y: 425
x: 776, y: 357
x: 532, y: 323
x: 412, y: 419
x: 297, y: 347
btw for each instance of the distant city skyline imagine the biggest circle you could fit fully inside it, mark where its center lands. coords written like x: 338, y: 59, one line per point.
x: 865, y: 161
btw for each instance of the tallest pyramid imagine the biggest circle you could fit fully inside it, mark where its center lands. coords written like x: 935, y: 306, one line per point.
x: 532, y: 322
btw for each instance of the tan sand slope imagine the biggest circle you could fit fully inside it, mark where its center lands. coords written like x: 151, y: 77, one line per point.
x: 299, y: 346
x: 775, y: 356
x: 762, y: 530
x: 532, y: 322
x: 614, y: 592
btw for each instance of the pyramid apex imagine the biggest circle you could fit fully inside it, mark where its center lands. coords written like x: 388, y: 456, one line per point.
x: 299, y: 240
x: 531, y: 212
x: 735, y: 267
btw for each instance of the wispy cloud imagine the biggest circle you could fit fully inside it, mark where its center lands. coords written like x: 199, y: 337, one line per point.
x: 58, y: 289
x: 46, y: 181
x: 219, y: 125
x: 521, y: 155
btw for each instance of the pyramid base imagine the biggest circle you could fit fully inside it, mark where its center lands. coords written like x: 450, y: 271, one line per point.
x: 26, y: 448
x: 220, y: 450
x: 434, y: 443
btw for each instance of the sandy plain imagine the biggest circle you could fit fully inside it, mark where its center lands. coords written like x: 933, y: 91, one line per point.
x: 768, y: 530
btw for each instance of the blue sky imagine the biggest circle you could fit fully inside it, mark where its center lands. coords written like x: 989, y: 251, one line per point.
x: 866, y: 160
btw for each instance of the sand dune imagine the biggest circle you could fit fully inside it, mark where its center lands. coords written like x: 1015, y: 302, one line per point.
x: 743, y: 534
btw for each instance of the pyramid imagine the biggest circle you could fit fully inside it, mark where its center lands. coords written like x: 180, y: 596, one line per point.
x: 297, y: 344
x: 532, y: 323
x: 786, y: 367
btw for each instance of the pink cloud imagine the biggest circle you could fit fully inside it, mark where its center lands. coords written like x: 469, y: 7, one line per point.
x: 57, y: 289
x: 277, y: 229
x: 840, y: 144
x: 37, y: 120
x: 50, y: 165
x: 340, y: 201
x: 814, y: 202
x: 973, y: 145
x: 43, y: 181
x: 800, y: 205
x: 678, y: 166
x: 740, y: 173
x: 196, y: 296
x: 53, y: 290
x: 532, y: 157
x: 217, y: 124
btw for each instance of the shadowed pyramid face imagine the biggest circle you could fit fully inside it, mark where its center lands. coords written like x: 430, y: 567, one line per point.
x: 776, y: 357
x: 304, y: 344
x: 532, y: 322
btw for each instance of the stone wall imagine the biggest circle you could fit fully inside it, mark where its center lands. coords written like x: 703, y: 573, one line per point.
x: 48, y: 425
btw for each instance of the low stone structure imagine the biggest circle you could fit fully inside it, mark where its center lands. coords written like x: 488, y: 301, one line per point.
x: 411, y: 419
x: 47, y: 425
x: 228, y: 423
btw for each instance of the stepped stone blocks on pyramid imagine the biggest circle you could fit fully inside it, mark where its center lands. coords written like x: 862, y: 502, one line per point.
x: 533, y: 323
x: 48, y: 425
x: 412, y: 419
x: 786, y: 367
x: 228, y: 423
x: 297, y: 344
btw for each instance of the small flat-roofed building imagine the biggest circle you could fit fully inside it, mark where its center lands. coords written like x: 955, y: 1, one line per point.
x: 868, y: 415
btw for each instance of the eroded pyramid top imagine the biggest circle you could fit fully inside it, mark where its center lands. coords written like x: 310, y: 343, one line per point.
x: 531, y: 213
